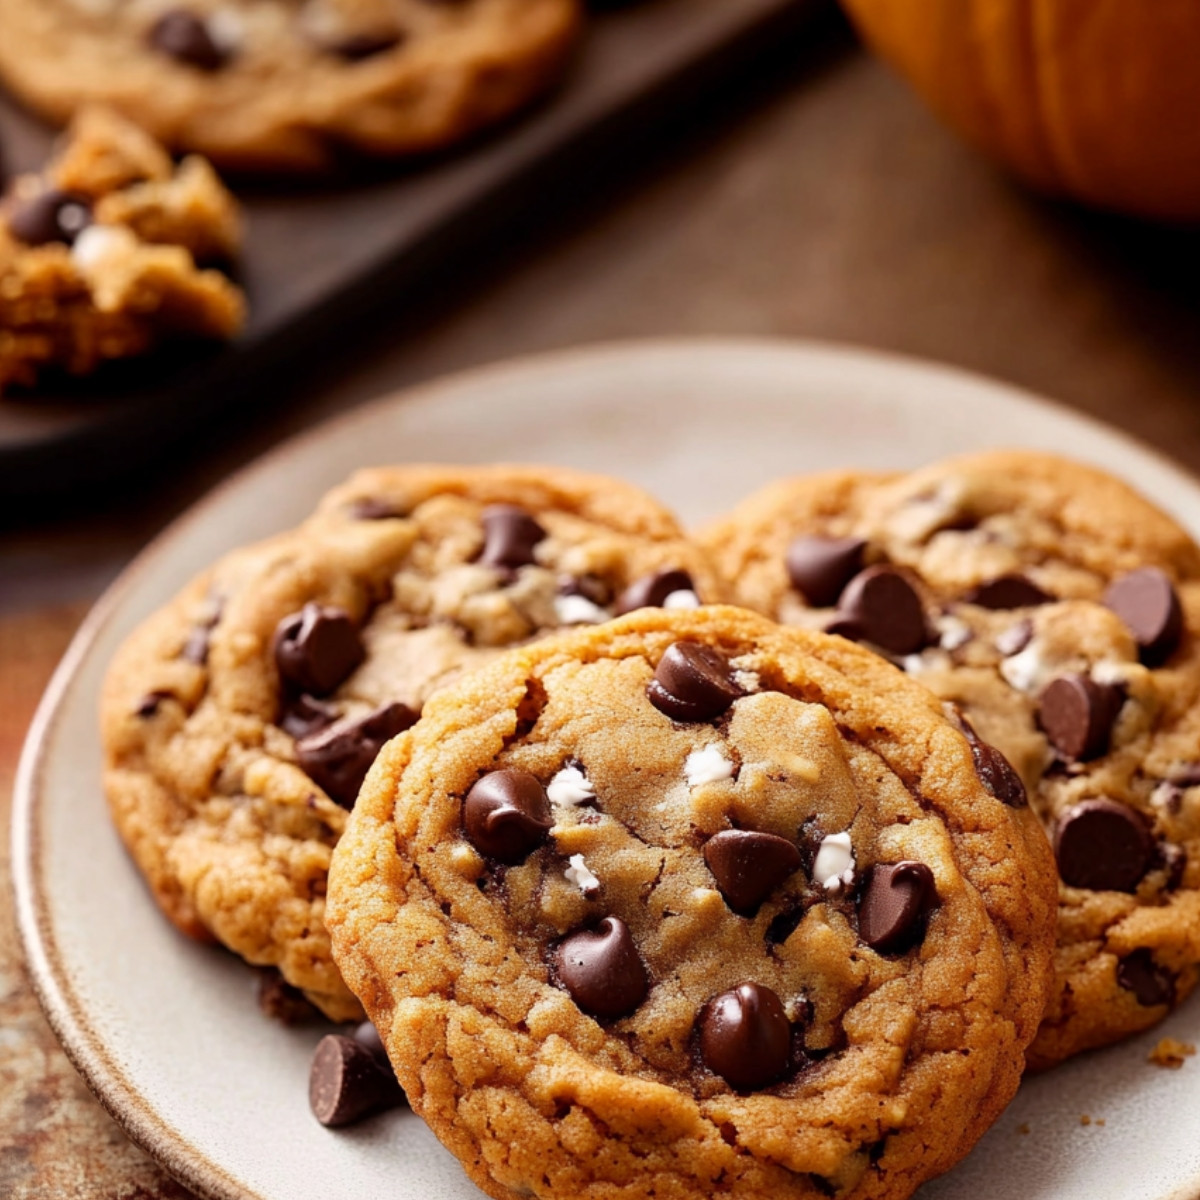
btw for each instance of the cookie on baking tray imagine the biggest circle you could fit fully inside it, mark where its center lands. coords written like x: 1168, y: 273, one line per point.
x: 240, y: 720
x: 691, y: 903
x: 1059, y: 611
x: 283, y: 84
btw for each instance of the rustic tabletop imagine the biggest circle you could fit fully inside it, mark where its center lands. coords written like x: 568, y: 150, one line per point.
x: 817, y: 200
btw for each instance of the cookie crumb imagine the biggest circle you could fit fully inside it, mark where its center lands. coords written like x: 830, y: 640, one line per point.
x: 1170, y: 1053
x: 1085, y: 1119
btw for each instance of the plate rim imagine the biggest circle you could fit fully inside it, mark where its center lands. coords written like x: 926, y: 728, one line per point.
x: 183, y: 1160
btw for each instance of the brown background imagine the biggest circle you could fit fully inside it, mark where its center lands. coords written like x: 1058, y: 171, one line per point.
x: 818, y: 200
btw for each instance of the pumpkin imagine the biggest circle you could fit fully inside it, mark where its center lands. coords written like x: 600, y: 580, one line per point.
x: 1099, y: 99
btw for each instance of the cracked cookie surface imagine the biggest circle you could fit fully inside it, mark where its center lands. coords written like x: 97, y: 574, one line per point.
x: 1058, y: 610
x: 240, y: 720
x: 288, y: 84
x: 690, y: 903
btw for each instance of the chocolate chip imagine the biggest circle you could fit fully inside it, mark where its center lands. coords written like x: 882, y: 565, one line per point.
x: 1008, y: 591
x: 745, y: 1037
x: 1015, y: 638
x: 305, y: 715
x: 652, y: 590
x: 1103, y: 846
x: 339, y: 758
x: 748, y: 866
x: 346, y: 1083
x: 995, y: 772
x: 281, y: 1002
x: 370, y: 509
x: 1147, y: 603
x: 879, y: 605
x: 50, y: 216
x: 1150, y: 982
x: 1077, y: 715
x: 509, y: 536
x: 820, y: 567
x: 150, y: 703
x: 507, y: 815
x: 317, y: 648
x: 185, y: 37
x: 367, y: 1036
x: 1186, y: 776
x: 601, y: 969
x: 358, y: 46
x: 590, y: 587
x: 892, y: 911
x: 693, y: 682
x: 195, y: 649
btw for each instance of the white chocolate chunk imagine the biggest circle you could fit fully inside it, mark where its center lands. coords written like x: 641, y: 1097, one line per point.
x: 953, y: 632
x: 684, y: 598
x: 1027, y: 670
x: 833, y: 867
x: 578, y: 874
x: 98, y: 244
x: 570, y: 788
x: 707, y: 765
x: 578, y: 610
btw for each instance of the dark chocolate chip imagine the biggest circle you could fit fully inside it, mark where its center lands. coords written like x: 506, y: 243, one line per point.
x: 748, y: 866
x: 1186, y: 776
x: 305, y: 715
x: 1103, y: 846
x: 1146, y: 601
x: 1077, y: 715
x: 895, y: 902
x: 590, y: 587
x: 338, y: 758
x: 820, y: 567
x: 50, y: 216
x: 358, y: 46
x: 652, y: 590
x: 367, y: 1036
x: 1008, y: 591
x: 150, y: 703
x: 879, y: 605
x: 509, y: 536
x: 195, y: 649
x: 185, y: 37
x: 507, y: 815
x: 745, y: 1037
x: 346, y: 1083
x: 281, y: 1002
x: 601, y: 969
x: 1015, y: 638
x: 1173, y: 861
x: 995, y: 772
x: 371, y: 509
x: 693, y: 682
x: 317, y: 648
x: 1149, y: 981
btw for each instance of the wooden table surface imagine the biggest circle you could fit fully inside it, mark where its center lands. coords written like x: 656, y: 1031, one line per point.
x: 819, y: 200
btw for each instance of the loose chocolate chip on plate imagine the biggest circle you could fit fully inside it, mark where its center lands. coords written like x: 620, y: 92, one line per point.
x: 1077, y: 715
x: 347, y: 1083
x: 507, y: 815
x: 281, y: 1002
x: 652, y: 590
x: 745, y: 1037
x: 338, y: 758
x: 749, y: 866
x: 1103, y: 846
x: 892, y: 911
x: 317, y: 648
x: 367, y: 1036
x: 50, y: 216
x: 509, y: 536
x: 820, y: 567
x: 692, y: 682
x: 1008, y: 591
x: 995, y: 772
x: 1146, y: 601
x: 185, y: 37
x: 1149, y: 981
x: 358, y: 46
x: 601, y: 969
x: 305, y: 715
x: 879, y: 605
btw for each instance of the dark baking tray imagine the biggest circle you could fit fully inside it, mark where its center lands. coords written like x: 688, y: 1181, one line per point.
x: 320, y: 257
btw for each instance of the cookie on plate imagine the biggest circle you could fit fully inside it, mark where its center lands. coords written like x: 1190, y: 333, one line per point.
x: 691, y: 903
x: 99, y: 253
x: 285, y: 84
x: 1059, y: 611
x: 240, y: 720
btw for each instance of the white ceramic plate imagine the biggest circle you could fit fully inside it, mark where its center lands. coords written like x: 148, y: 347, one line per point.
x: 167, y: 1033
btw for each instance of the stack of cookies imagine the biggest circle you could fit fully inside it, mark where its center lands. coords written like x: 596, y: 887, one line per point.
x: 665, y: 866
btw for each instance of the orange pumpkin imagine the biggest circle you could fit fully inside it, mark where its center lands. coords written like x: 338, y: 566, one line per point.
x: 1099, y: 99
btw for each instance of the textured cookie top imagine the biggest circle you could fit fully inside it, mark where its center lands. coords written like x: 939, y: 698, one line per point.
x: 1058, y: 609
x: 240, y: 720
x: 690, y: 898
x: 282, y: 84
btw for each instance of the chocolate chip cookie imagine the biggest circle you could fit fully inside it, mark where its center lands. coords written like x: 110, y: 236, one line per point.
x: 103, y: 254
x: 1058, y: 611
x: 690, y: 903
x: 240, y: 720
x: 287, y: 84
